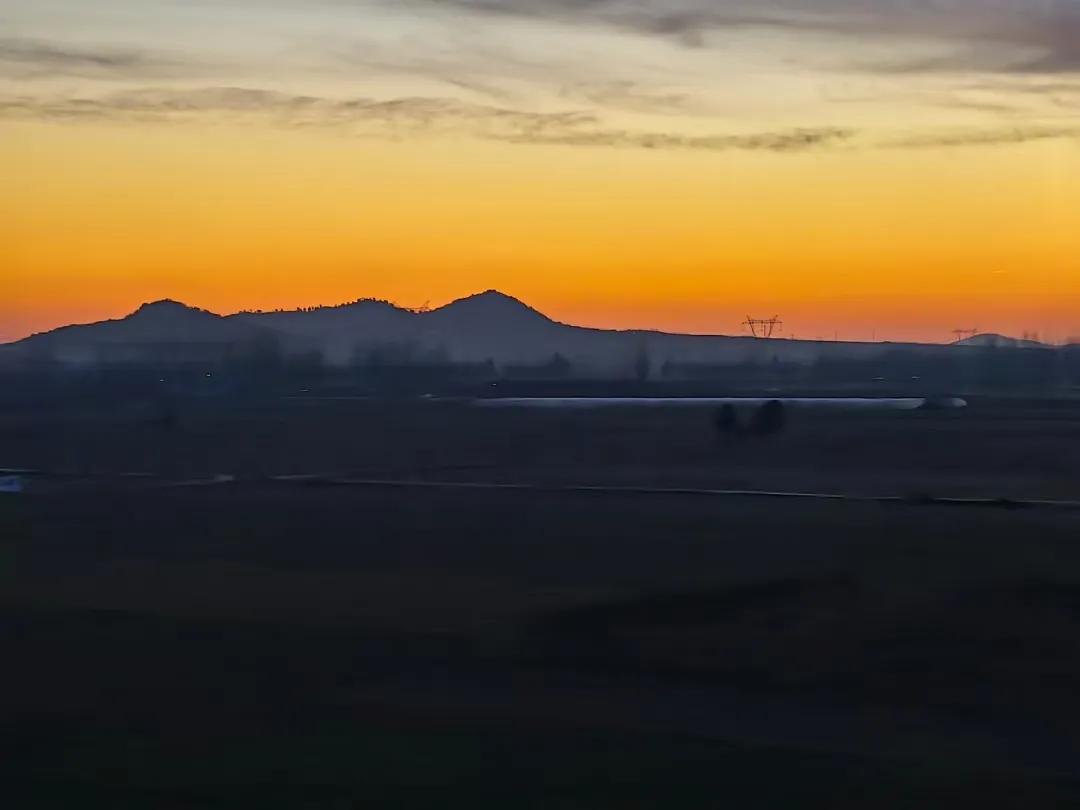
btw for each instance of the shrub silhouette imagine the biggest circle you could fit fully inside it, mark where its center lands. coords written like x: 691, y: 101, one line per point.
x: 769, y: 419
x: 726, y: 420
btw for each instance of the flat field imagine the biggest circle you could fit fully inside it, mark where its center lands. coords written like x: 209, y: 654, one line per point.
x: 996, y: 447
x: 171, y: 642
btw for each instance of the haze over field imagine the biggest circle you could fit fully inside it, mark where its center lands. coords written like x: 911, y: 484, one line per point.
x: 889, y: 168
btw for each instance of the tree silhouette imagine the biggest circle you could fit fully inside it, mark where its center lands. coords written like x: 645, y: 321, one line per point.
x: 726, y: 420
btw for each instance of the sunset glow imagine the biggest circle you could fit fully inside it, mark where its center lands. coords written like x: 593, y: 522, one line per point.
x: 887, y: 179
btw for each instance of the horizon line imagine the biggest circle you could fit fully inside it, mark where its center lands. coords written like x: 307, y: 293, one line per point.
x: 424, y: 309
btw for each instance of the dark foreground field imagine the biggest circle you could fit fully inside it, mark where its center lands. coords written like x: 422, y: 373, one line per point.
x: 312, y: 644
x: 996, y: 447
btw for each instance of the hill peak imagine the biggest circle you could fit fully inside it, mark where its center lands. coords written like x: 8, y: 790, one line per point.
x: 490, y: 301
x: 495, y: 295
x: 167, y: 307
x: 165, y: 303
x: 995, y: 340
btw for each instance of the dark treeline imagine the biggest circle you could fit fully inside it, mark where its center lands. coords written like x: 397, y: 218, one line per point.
x: 262, y: 368
x: 973, y: 368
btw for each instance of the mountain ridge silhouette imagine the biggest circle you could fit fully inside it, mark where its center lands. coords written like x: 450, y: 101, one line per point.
x: 490, y: 325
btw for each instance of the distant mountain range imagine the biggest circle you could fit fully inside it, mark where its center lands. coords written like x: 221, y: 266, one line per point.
x: 490, y: 326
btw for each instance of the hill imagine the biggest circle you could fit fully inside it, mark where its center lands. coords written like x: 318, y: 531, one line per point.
x: 992, y: 340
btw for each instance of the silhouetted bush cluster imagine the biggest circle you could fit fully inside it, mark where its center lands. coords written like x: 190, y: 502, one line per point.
x: 767, y: 420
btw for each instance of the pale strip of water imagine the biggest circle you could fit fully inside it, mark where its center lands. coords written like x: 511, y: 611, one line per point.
x: 857, y: 403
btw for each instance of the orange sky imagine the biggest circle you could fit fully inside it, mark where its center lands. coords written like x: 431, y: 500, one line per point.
x: 900, y: 244
x: 607, y: 176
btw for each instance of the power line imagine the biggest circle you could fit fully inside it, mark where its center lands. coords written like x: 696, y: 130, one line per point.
x: 763, y: 327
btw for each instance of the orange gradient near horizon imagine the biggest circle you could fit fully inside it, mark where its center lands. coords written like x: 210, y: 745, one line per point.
x: 856, y: 243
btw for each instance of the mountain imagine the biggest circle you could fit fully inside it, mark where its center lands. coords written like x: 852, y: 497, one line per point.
x: 164, y: 320
x: 490, y: 324
x: 337, y: 331
x: 487, y: 326
x: 158, y: 327
x: 493, y: 325
x: 493, y: 309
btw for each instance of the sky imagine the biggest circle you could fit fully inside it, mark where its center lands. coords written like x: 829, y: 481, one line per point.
x: 889, y: 169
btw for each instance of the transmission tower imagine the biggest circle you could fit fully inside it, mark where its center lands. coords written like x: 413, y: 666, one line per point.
x: 763, y: 327
x: 961, y: 334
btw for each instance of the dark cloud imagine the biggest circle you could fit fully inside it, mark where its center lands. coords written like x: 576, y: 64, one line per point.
x: 396, y: 117
x: 152, y: 104
x: 1044, y: 33
x: 795, y: 140
x: 1000, y: 136
x: 35, y: 58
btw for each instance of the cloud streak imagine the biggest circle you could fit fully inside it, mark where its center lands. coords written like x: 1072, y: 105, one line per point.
x: 1001, y: 136
x: 399, y: 117
x: 423, y: 116
x: 795, y: 140
x: 35, y: 58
